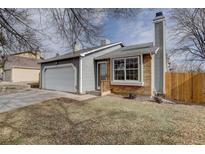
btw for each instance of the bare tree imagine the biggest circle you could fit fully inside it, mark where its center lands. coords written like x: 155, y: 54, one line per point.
x: 189, y: 32
x: 16, y: 33
x: 79, y: 25
x: 74, y: 25
x: 186, y: 66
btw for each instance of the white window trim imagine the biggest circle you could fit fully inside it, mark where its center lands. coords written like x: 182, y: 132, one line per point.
x: 138, y: 82
x: 127, y: 83
x: 142, y: 68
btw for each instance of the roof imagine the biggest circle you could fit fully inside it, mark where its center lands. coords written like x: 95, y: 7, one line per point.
x: 24, y: 62
x: 131, y: 50
x: 80, y: 53
x: 22, y: 52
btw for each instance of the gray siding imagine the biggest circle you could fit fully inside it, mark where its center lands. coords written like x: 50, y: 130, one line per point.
x: 74, y: 61
x: 89, y: 69
x: 158, y: 58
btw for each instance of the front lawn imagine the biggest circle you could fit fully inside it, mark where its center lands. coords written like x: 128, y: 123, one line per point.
x: 105, y: 120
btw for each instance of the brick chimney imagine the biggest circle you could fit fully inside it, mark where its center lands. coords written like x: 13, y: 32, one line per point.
x: 104, y: 42
x: 77, y: 46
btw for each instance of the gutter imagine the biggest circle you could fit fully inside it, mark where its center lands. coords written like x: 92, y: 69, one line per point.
x: 24, y: 67
x: 47, y: 61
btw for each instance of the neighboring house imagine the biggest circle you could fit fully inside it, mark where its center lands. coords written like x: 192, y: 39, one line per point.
x: 22, y: 67
x: 132, y: 69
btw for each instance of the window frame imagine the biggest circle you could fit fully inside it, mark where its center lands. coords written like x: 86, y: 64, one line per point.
x: 118, y: 69
x: 139, y: 69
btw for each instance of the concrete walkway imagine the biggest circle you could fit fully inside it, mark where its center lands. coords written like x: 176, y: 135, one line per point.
x: 33, y: 96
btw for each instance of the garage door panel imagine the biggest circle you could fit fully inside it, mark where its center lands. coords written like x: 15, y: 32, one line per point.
x: 60, y: 78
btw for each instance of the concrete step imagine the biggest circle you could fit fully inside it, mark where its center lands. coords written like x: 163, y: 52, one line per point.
x: 96, y: 93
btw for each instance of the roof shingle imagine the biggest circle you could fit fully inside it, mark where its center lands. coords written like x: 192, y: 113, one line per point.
x: 79, y: 52
x: 24, y: 62
x: 128, y: 51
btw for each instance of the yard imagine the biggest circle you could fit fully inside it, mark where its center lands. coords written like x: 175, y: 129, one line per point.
x: 105, y: 120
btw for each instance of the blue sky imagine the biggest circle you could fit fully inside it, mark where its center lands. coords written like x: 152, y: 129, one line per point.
x: 129, y: 31
x: 138, y: 30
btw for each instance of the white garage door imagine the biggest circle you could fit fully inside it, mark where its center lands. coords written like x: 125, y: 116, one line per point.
x: 61, y: 77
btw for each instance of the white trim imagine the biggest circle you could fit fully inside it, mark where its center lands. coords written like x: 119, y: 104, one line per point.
x: 127, y: 83
x: 100, y: 62
x: 125, y: 80
x: 80, y: 76
x: 142, y: 68
x: 59, y: 66
x: 101, y: 48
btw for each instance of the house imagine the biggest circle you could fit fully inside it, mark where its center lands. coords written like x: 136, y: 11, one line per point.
x: 112, y: 67
x: 22, y: 67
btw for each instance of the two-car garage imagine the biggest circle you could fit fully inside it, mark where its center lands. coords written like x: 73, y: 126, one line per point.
x: 60, y: 77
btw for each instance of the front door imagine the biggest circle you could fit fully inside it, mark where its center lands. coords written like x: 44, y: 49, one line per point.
x: 101, y: 72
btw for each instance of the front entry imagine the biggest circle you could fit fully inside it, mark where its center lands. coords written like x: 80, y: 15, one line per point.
x: 101, y: 72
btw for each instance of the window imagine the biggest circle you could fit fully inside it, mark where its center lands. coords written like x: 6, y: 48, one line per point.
x: 132, y: 69
x: 126, y: 69
x: 119, y: 69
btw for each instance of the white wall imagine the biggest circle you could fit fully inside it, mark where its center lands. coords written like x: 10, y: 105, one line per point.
x: 24, y: 74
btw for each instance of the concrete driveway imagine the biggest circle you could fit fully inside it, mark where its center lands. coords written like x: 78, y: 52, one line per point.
x: 32, y: 96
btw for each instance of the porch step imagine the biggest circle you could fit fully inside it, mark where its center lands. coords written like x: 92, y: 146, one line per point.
x: 96, y: 93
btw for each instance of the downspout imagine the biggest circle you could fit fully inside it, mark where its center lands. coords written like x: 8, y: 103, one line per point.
x: 142, y: 69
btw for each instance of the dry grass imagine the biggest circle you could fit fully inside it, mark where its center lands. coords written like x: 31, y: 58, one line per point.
x: 105, y: 120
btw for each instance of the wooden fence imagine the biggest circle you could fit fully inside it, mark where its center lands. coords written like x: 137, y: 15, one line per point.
x: 185, y: 87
